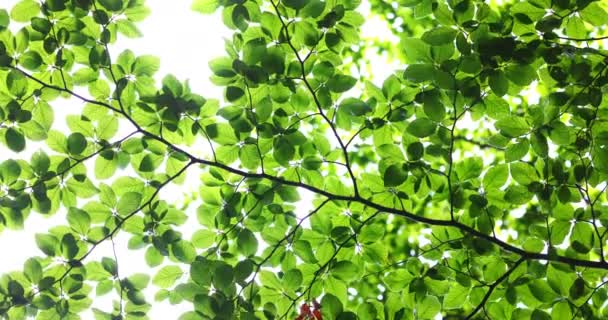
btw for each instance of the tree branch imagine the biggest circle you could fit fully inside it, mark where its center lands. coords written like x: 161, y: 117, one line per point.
x: 403, y: 213
x: 493, y: 286
x: 583, y: 39
x: 316, y: 99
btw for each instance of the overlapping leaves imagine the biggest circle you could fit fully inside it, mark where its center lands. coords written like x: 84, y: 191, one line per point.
x: 445, y: 189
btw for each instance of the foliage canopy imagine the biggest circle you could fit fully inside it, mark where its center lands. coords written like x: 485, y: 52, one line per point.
x: 470, y: 184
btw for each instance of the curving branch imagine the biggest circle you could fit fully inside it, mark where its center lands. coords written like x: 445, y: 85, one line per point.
x: 326, y: 265
x: 278, y: 244
x: 583, y: 39
x: 493, y: 286
x: 77, y: 162
x: 480, y: 144
x: 76, y: 263
x: 595, y: 289
x: 466, y: 229
x: 438, y: 172
x: 313, y: 93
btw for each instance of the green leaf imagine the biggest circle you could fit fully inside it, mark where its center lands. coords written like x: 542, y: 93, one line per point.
x: 77, y: 143
x: 200, y: 272
x: 355, y: 107
x: 341, y: 83
x: 40, y: 162
x: 541, y: 290
x: 184, y: 251
x: 234, y: 93
x: 203, y: 238
x: 249, y: 156
x: 191, y: 315
x: 517, y: 151
x: 594, y: 14
x: 559, y: 230
x: 517, y: 194
x: 247, y: 243
x: 439, y: 36
x: 561, y: 311
x: 513, y: 126
x: 283, y: 151
x: 367, y: 310
x: 9, y: 171
x: 149, y: 163
x: 293, y: 279
x: 57, y: 141
x: 295, y: 4
x: 371, y: 233
x: 415, y: 151
x: 416, y: 50
x: 600, y: 159
x: 105, y: 168
x: 523, y: 173
x: 433, y: 107
x: 303, y: 250
x: 31, y: 60
x: 167, y: 276
x: 111, y: 5
x: 79, y: 220
x: 153, y: 257
x: 47, y: 243
x: 469, y: 169
x: 456, y: 297
x: 521, y: 75
x: 223, y: 276
x: 421, y: 127
x: 221, y: 133
x: 33, y: 270
x: 109, y: 265
x: 578, y: 288
x: 582, y: 238
x: 14, y: 139
x: 146, y: 65
x: 575, y: 27
x: 274, y: 60
x: 395, y: 175
x: 128, y: 203
x: 332, y: 306
x: 419, y: 72
x: 423, y: 9
x: 25, y: 10
x: 205, y: 6
x: 4, y: 19
x: 495, y: 177
x: 17, y: 83
x: 345, y: 270
x: 428, y: 307
x: 499, y: 83
x: 538, y: 314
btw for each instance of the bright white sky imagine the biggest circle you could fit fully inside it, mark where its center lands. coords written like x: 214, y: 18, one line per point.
x: 185, y: 42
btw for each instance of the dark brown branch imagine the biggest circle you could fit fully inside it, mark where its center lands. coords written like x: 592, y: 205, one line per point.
x: 406, y: 214
x: 493, y: 286
x: 583, y: 39
x: 278, y: 244
x: 578, y: 308
x: 77, y: 262
x: 480, y: 144
x: 316, y: 99
x: 77, y: 162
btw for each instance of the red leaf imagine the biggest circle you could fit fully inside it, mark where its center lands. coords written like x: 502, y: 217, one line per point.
x: 304, y: 310
x: 317, y: 314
